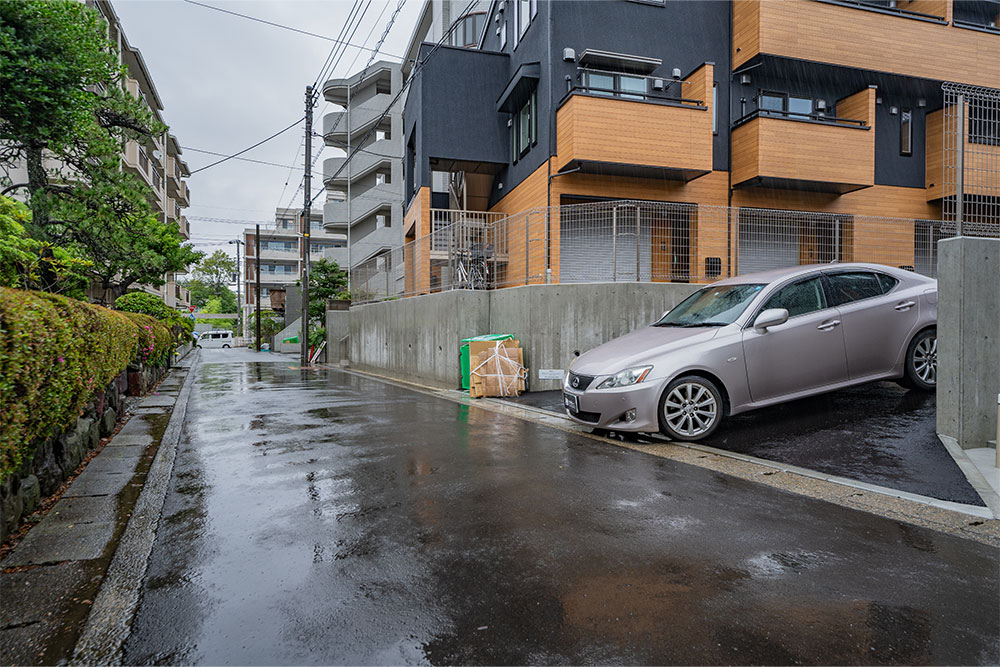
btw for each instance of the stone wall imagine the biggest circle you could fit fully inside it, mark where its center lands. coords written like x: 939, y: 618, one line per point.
x: 58, y: 455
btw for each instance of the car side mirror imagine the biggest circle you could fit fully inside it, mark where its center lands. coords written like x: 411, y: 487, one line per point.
x: 771, y: 317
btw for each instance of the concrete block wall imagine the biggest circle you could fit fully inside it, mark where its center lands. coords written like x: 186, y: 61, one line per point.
x: 417, y: 338
x: 554, y: 321
x: 968, y: 340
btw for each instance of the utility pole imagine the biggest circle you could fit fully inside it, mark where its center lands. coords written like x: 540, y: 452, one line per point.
x: 256, y: 291
x: 306, y: 222
x: 239, y: 301
x: 348, y: 185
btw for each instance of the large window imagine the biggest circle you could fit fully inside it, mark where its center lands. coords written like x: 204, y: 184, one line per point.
x: 799, y: 298
x: 785, y: 104
x: 906, y: 132
x: 524, y: 127
x: 524, y: 11
x: 628, y: 86
x: 467, y: 31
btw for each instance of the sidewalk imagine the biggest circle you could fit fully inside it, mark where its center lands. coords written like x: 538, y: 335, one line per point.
x: 49, y: 581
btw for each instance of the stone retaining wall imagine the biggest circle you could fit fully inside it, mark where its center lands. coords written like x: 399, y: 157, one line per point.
x: 57, y: 456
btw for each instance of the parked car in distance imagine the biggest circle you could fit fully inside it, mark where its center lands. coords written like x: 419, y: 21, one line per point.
x: 218, y: 338
x: 756, y: 340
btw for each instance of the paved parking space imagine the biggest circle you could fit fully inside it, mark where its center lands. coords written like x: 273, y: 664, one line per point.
x: 878, y: 433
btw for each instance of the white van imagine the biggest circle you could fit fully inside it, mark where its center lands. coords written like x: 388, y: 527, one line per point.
x: 218, y: 338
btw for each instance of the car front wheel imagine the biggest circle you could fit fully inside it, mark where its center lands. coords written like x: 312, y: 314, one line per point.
x: 690, y: 408
x: 921, y: 361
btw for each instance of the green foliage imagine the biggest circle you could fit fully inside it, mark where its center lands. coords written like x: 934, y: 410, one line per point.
x: 155, y: 341
x: 216, y: 270
x: 55, y: 353
x: 143, y: 302
x: 62, y: 98
x: 27, y: 263
x: 270, y: 324
x: 218, y: 306
x: 316, y: 336
x: 326, y: 281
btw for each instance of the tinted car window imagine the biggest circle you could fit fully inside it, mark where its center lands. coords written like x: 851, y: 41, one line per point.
x: 854, y: 286
x: 887, y: 282
x: 799, y: 298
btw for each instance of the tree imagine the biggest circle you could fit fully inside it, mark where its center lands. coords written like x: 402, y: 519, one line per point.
x: 216, y: 270
x: 27, y: 263
x: 326, y: 281
x: 62, y: 97
x: 215, y: 306
x: 211, y: 280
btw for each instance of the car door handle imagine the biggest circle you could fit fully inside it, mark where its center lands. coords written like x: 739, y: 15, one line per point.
x: 828, y: 325
x: 905, y: 305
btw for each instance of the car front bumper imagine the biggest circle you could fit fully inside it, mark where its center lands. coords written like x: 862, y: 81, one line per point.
x: 607, y: 408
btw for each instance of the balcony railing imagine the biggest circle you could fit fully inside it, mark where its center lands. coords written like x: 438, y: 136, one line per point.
x: 632, y: 87
x: 889, y: 7
x: 805, y: 117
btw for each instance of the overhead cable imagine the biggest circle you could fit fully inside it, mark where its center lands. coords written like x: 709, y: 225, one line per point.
x: 237, y: 154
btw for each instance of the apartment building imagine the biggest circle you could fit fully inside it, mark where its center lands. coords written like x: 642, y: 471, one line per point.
x: 743, y: 134
x: 282, y: 253
x: 366, y: 194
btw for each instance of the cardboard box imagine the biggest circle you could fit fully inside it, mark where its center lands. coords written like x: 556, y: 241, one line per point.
x: 497, y: 369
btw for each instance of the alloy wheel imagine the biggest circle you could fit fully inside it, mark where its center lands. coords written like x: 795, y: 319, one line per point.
x: 925, y: 359
x: 690, y: 409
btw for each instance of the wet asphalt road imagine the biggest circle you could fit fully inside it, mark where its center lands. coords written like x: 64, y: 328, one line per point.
x: 878, y: 433
x: 320, y: 517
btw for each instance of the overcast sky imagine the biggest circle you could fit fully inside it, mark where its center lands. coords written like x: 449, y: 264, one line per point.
x: 227, y: 82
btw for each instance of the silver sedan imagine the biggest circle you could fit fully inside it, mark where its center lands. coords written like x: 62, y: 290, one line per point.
x: 757, y: 340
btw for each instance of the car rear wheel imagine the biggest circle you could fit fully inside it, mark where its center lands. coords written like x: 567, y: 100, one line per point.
x: 690, y: 408
x: 225, y: 345
x: 921, y: 361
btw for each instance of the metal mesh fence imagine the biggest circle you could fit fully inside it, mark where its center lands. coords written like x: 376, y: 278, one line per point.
x: 971, y: 159
x: 639, y: 241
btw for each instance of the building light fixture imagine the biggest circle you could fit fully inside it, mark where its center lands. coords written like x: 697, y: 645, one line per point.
x: 745, y: 79
x: 893, y: 111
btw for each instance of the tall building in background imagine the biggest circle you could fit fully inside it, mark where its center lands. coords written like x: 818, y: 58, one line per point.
x: 281, y: 256
x: 367, y: 193
x: 375, y: 173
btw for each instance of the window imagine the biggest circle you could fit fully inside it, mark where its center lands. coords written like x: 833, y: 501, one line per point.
x: 466, y: 32
x: 715, y: 108
x: 382, y: 179
x: 800, y: 105
x: 502, y: 32
x: 524, y: 127
x: 906, y: 132
x: 854, y: 286
x: 381, y: 135
x: 800, y: 298
x: 771, y: 102
x: 600, y: 83
x: 382, y: 221
x: 887, y: 282
x: 632, y: 87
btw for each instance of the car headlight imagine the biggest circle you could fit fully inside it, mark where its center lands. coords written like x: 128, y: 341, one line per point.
x: 625, y: 378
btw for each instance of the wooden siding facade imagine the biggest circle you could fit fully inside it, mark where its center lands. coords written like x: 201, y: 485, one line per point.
x: 852, y: 37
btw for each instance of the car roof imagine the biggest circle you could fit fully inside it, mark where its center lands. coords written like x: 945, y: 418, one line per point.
x: 775, y: 275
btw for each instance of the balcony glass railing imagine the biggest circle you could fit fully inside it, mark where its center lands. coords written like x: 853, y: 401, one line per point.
x: 885, y: 6
x: 632, y: 87
x: 794, y: 115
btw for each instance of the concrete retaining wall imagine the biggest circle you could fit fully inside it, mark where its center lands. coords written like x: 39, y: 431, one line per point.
x: 968, y: 340
x: 418, y: 338
x: 554, y: 321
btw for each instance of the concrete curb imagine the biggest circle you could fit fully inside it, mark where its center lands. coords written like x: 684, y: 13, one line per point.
x: 972, y: 473
x: 110, y: 621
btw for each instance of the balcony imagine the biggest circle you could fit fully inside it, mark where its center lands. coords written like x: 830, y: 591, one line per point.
x: 982, y: 158
x: 363, y: 118
x: 173, y: 176
x: 632, y: 132
x: 377, y: 155
x: 913, y: 39
x: 183, y: 195
x: 808, y: 152
x: 137, y: 162
x: 183, y: 228
x: 287, y: 255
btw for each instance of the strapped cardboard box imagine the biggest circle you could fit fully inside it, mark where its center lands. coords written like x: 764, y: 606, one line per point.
x: 497, y: 368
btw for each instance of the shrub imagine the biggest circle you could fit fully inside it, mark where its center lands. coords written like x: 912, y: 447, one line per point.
x: 155, y: 340
x: 142, y: 302
x: 55, y: 353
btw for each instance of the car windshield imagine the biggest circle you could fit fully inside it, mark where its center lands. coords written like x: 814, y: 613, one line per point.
x: 711, y: 307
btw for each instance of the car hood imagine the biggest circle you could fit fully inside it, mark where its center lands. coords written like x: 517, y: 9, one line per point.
x: 639, y: 348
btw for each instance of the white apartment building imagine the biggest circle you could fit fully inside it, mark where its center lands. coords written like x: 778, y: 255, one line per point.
x: 282, y: 253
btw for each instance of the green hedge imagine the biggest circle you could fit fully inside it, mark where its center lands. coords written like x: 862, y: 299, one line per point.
x: 55, y: 353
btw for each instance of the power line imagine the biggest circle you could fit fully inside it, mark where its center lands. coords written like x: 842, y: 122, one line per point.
x: 262, y: 141
x: 279, y: 25
x: 243, y: 159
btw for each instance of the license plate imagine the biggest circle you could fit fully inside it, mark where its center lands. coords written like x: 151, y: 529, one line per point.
x: 572, y: 402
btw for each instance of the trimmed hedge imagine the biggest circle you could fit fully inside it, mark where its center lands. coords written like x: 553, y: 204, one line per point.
x: 55, y: 354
